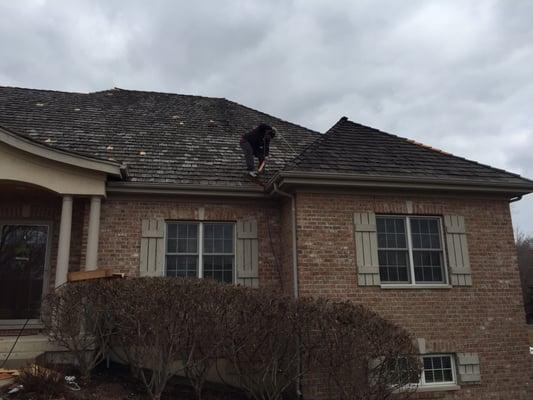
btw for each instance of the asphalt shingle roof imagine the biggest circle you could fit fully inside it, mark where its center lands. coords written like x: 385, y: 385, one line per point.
x: 163, y: 138
x: 351, y: 148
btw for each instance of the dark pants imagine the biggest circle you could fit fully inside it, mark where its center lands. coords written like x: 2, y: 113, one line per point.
x: 248, y: 155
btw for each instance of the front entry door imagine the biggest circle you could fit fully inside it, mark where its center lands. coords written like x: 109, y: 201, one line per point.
x: 23, y: 252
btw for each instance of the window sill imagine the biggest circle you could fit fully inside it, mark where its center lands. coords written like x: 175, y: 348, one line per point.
x: 17, y: 324
x: 422, y: 286
x: 438, y: 388
x: 449, y: 387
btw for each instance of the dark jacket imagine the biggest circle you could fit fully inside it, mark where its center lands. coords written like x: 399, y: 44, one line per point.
x: 259, y: 140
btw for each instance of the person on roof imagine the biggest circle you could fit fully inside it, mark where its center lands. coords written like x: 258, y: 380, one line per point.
x: 256, y: 143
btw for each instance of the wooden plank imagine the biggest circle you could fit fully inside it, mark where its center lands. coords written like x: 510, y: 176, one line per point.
x: 85, y: 275
x: 160, y: 258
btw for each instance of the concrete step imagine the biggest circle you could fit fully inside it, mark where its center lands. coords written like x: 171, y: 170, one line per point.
x: 19, y: 360
x: 30, y: 343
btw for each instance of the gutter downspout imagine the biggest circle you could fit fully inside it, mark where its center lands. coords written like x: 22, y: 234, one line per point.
x: 294, y: 271
x: 294, y: 236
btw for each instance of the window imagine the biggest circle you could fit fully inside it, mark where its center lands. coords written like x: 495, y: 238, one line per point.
x: 204, y: 250
x: 410, y: 250
x: 438, y: 369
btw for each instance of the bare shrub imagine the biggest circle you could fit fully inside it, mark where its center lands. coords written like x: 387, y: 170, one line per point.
x: 363, y: 356
x: 164, y: 326
x: 261, y: 344
x: 41, y: 383
x: 524, y: 247
x: 148, y: 316
x: 74, y: 318
x: 203, y: 336
x: 273, y: 341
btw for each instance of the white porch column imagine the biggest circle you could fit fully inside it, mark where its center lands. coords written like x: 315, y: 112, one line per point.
x: 91, y: 258
x: 63, y: 248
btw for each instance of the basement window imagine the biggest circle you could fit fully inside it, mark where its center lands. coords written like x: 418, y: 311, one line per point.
x: 439, y: 369
x: 202, y: 250
x: 410, y: 250
x: 438, y: 374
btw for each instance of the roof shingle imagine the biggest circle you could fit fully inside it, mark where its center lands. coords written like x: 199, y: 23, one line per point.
x: 162, y: 138
x: 351, y: 148
x: 177, y: 139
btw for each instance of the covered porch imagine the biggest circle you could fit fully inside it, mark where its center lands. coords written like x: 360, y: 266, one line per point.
x: 49, y: 224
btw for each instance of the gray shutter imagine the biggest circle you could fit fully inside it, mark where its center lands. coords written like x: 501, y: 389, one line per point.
x: 457, y: 246
x: 366, y: 249
x: 152, y: 253
x: 247, y: 253
x: 468, y: 367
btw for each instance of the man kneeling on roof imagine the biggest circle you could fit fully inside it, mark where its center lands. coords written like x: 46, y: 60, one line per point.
x: 256, y: 143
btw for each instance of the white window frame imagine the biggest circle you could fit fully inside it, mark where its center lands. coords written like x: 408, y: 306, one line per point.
x: 200, y: 241
x: 412, y: 284
x: 423, y: 382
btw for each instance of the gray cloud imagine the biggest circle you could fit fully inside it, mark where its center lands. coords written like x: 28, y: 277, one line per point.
x: 454, y: 74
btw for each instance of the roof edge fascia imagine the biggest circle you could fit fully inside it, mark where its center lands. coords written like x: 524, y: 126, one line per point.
x: 394, y: 182
x: 118, y: 187
x: 62, y: 156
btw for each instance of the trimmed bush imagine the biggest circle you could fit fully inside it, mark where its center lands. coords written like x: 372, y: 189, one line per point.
x: 259, y: 340
x: 75, y: 316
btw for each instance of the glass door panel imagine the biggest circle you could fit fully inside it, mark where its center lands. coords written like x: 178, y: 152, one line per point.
x: 22, y: 265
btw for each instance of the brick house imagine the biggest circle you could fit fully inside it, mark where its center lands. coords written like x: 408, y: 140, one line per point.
x: 152, y: 184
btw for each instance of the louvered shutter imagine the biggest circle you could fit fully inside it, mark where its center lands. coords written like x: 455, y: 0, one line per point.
x: 468, y: 367
x: 152, y: 255
x: 366, y: 249
x: 247, y: 253
x: 457, y: 246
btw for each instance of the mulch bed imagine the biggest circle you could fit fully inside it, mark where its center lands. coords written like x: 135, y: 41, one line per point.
x: 116, y: 383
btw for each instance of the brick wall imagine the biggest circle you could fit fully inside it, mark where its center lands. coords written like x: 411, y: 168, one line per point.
x: 486, y: 318
x: 120, y: 228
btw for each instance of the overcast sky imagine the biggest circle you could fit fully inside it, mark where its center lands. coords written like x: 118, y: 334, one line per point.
x: 457, y: 75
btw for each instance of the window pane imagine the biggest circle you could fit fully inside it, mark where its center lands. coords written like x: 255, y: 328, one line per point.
x: 172, y: 245
x: 184, y: 266
x: 425, y: 233
x: 219, y: 267
x: 391, y: 233
x: 438, y: 369
x: 393, y: 265
x: 182, y: 238
x: 428, y: 266
x: 218, y: 238
x: 172, y: 231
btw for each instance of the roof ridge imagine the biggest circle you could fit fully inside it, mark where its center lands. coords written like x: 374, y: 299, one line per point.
x: 41, y: 90
x: 165, y: 93
x: 315, y: 143
x: 430, y: 148
x: 109, y: 90
x: 271, y: 116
